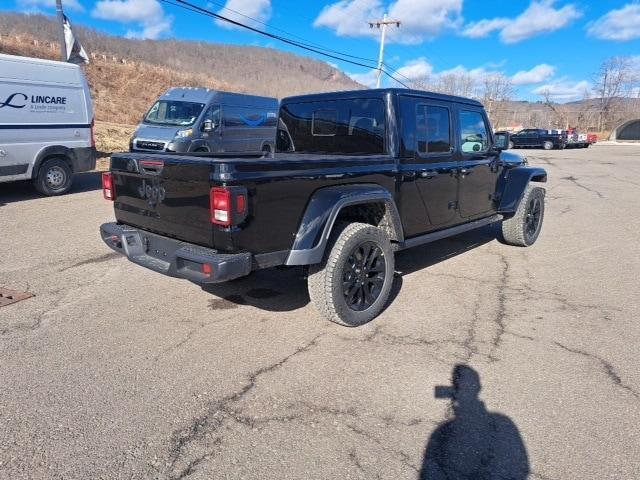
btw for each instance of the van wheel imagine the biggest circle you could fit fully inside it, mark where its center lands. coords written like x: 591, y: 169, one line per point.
x: 523, y: 228
x: 352, y: 284
x: 54, y: 177
x: 547, y: 145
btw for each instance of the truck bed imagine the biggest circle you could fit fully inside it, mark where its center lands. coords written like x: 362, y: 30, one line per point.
x: 168, y: 194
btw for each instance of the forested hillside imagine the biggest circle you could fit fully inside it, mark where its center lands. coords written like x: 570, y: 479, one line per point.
x: 263, y: 71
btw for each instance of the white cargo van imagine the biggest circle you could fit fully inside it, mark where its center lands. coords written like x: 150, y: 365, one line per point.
x: 46, y: 123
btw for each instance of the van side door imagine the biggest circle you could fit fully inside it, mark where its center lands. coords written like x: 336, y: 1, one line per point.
x: 479, y: 163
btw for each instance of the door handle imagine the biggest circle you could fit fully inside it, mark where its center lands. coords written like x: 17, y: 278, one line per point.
x: 3, y: 153
x: 429, y: 173
x: 463, y: 172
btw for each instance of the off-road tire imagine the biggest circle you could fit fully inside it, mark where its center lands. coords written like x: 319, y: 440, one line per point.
x: 325, y: 281
x: 54, y: 177
x: 547, y: 145
x: 517, y: 229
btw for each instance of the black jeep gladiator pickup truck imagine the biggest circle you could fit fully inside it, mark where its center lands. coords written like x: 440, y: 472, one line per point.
x: 538, y: 138
x: 358, y: 176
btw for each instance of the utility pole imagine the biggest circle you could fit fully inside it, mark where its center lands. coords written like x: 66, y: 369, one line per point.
x: 382, y: 24
x: 63, y: 45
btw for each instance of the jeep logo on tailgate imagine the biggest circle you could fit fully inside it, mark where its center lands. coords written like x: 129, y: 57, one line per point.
x: 154, y: 192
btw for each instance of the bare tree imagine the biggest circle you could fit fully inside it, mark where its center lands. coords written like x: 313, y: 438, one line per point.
x: 497, y: 91
x: 615, y: 79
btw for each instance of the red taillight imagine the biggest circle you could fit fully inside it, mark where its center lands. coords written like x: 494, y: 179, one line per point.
x: 228, y: 205
x: 108, y: 192
x: 93, y: 132
x: 220, y: 199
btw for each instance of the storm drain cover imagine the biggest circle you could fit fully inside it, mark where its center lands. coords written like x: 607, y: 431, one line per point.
x: 7, y: 297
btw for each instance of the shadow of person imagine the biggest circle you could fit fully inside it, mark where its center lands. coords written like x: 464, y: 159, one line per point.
x: 476, y: 444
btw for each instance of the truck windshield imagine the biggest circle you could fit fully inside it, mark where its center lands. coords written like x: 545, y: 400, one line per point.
x: 168, y: 112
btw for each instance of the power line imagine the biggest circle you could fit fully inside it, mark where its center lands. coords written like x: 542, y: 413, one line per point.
x: 197, y: 9
x: 304, y: 40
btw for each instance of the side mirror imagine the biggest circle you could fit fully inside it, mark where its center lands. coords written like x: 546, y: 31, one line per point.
x: 501, y: 141
x: 208, y: 125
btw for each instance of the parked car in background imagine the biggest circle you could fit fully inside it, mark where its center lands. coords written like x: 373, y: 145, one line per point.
x: 363, y: 174
x: 538, y: 138
x: 46, y: 123
x: 580, y: 140
x: 202, y: 120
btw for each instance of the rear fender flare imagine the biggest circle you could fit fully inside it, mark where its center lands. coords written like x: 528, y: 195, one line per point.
x: 516, y: 182
x: 323, y: 210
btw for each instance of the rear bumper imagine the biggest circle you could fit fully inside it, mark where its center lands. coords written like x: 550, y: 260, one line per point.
x: 175, y: 258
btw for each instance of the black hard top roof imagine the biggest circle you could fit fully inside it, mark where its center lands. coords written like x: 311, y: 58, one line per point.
x: 379, y: 92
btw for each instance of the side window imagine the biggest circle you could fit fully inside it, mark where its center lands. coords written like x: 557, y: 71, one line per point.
x: 473, y: 132
x: 433, y: 129
x: 324, y: 123
x: 213, y: 114
x: 353, y: 126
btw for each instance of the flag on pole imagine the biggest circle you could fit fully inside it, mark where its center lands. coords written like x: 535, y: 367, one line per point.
x: 75, y: 52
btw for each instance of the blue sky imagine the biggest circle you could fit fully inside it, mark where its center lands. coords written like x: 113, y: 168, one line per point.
x: 543, y: 45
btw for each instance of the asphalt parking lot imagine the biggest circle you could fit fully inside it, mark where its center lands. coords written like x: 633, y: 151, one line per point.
x: 112, y: 371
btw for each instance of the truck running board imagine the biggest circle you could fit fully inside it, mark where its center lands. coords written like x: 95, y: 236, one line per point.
x: 448, y: 232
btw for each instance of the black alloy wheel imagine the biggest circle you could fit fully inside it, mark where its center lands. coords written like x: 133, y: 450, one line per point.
x: 533, y: 217
x: 364, y: 275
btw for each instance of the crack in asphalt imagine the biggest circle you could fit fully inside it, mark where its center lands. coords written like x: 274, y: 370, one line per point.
x: 219, y: 411
x: 403, y: 457
x: 377, y: 335
x: 501, y: 311
x: 575, y: 181
x: 606, y: 366
x: 469, y: 343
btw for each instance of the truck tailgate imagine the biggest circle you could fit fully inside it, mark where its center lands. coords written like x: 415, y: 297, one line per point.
x: 168, y: 195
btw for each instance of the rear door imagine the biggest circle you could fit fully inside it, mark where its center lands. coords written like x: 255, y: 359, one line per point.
x: 427, y: 165
x: 479, y: 167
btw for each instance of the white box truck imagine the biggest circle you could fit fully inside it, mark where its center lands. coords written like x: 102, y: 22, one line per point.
x: 46, y: 123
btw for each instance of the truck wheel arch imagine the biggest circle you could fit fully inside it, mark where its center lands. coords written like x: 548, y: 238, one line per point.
x: 345, y: 203
x: 516, y: 183
x: 52, y: 151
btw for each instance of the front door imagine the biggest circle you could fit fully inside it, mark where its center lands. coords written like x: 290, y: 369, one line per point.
x: 213, y: 138
x: 479, y: 167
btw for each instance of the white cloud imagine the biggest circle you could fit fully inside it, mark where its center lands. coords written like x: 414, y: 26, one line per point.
x: 484, y: 27
x: 622, y: 24
x: 415, y: 69
x: 424, y: 19
x: 541, y: 16
x: 420, y: 19
x: 538, y: 74
x: 245, y: 11
x: 147, y: 14
x: 348, y: 18
x: 367, y: 79
x: 564, y: 90
x: 34, y: 5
